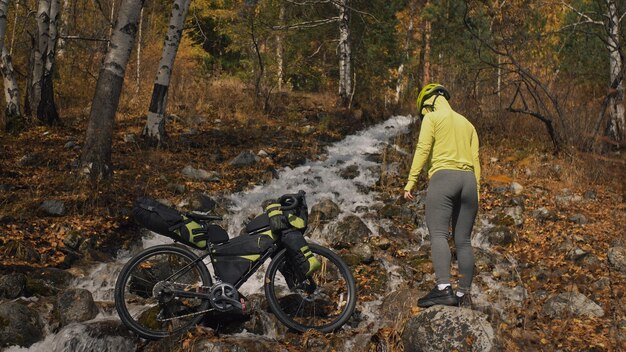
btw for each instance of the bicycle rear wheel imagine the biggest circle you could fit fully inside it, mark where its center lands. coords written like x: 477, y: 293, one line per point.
x: 323, y: 302
x: 141, y: 291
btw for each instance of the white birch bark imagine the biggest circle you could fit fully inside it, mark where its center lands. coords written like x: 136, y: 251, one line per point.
x: 46, y: 110
x: 345, y: 52
x: 11, y: 90
x: 139, y: 38
x: 53, y: 31
x: 41, y: 43
x: 400, y: 85
x: 616, y: 124
x: 62, y: 28
x: 96, y: 156
x: 279, y: 49
x: 155, y: 124
x: 17, y: 10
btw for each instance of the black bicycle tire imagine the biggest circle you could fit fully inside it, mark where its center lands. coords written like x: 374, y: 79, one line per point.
x: 345, y: 273
x: 120, y: 305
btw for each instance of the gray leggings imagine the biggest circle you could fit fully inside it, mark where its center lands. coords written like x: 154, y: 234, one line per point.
x: 452, y: 196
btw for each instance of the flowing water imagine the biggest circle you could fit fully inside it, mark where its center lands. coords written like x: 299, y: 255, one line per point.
x: 320, y: 179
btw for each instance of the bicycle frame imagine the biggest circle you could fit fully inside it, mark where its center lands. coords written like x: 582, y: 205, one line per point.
x: 269, y: 253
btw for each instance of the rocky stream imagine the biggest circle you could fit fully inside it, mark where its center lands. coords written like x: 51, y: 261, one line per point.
x: 381, y: 237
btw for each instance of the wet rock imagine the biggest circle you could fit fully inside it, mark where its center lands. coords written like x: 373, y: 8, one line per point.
x: 363, y: 252
x: 76, y: 305
x: 176, y: 188
x: 380, y: 242
x: 200, y: 174
x: 69, y: 145
x: 516, y: 188
x: 517, y: 215
x: 617, y: 258
x: 579, y: 219
x: 261, y: 321
x: 349, y: 231
x: 202, y: 202
x: 502, y: 219
x: 544, y: 214
x: 262, y: 154
x: 500, y: 235
x: 47, y: 281
x: 20, y: 250
x: 245, y: 158
x: 19, y: 325
x: 52, y: 208
x: 350, y: 172
x: 102, y: 336
x: 12, y: 285
x: 399, y: 304
x: 239, y: 344
x: 571, y: 303
x: 325, y: 210
x: 292, y: 159
x: 73, y: 240
x: 443, y: 328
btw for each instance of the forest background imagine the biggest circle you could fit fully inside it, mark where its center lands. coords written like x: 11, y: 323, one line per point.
x: 86, y: 122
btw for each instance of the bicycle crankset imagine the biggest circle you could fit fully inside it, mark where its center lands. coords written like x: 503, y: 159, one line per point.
x: 225, y: 297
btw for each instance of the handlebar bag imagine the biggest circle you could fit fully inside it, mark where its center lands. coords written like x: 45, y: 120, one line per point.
x: 169, y: 222
x: 281, y: 220
x: 233, y: 259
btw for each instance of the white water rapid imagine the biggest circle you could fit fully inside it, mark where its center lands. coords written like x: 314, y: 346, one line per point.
x: 320, y: 179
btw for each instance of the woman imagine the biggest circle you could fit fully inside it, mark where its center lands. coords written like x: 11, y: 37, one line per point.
x: 448, y: 147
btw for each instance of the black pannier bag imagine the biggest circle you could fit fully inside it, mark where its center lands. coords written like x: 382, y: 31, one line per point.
x: 291, y: 225
x: 232, y: 259
x: 169, y: 222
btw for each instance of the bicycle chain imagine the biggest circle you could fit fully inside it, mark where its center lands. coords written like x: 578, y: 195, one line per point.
x: 190, y: 314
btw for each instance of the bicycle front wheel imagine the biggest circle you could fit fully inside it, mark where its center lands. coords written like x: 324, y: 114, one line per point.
x: 143, y: 296
x: 323, y: 302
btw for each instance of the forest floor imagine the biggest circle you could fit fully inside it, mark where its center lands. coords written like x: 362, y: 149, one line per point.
x: 39, y: 164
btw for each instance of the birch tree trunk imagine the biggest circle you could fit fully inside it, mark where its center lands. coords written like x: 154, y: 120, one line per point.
x: 41, y: 43
x: 12, y: 115
x: 139, y: 39
x: 12, y: 111
x: 47, y: 110
x: 345, y: 53
x: 96, y: 156
x: 279, y: 50
x: 615, y: 128
x: 426, y: 76
x: 400, y: 86
x: 154, y: 131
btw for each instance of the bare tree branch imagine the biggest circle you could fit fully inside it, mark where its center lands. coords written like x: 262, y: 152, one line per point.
x: 308, y: 24
x: 585, y: 16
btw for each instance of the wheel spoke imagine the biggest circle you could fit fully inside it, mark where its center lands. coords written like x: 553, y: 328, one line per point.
x: 327, y: 307
x: 145, y: 277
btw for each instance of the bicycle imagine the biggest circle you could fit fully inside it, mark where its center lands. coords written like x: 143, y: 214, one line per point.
x: 167, y: 289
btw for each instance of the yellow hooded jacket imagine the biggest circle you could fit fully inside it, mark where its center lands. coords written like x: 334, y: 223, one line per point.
x: 447, y: 141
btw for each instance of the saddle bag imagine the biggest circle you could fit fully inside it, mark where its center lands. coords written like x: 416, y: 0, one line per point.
x: 167, y: 221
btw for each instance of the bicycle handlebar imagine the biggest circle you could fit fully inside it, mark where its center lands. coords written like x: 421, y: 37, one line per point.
x: 290, y: 201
